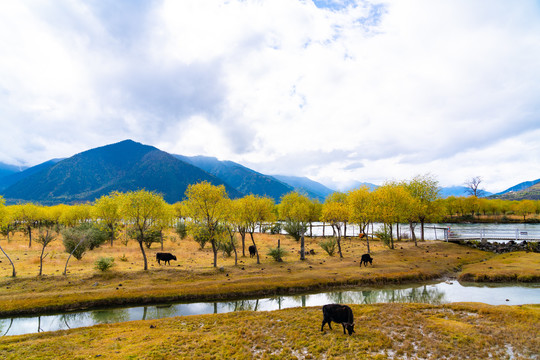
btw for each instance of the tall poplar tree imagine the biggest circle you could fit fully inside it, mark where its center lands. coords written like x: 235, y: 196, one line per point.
x: 206, y: 205
x: 144, y: 211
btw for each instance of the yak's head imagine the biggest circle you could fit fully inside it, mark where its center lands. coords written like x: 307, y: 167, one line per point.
x: 174, y: 257
x: 350, y: 328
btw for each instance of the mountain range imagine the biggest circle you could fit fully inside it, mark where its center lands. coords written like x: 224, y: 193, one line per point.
x: 525, y: 190
x: 128, y: 166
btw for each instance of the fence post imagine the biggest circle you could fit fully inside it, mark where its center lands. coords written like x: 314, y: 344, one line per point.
x: 483, y: 240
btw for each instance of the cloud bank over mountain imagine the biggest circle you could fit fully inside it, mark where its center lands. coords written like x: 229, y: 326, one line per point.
x: 339, y: 91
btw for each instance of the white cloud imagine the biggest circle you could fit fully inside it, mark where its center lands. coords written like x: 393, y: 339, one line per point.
x: 283, y: 86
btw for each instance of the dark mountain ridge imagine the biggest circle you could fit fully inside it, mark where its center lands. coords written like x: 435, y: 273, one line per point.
x: 243, y: 179
x: 124, y: 166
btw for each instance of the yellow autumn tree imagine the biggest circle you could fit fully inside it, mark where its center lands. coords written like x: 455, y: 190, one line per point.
x: 106, y: 211
x: 206, y: 206
x: 295, y: 210
x: 336, y: 212
x: 254, y: 210
x: 143, y: 210
x: 4, y: 218
x: 360, y: 209
x: 391, y: 207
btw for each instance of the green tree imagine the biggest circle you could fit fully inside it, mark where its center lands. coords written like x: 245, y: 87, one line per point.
x: 143, y: 210
x: 77, y: 240
x: 44, y: 238
x: 206, y: 205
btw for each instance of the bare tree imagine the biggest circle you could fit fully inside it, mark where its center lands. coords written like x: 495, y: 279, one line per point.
x: 473, y: 186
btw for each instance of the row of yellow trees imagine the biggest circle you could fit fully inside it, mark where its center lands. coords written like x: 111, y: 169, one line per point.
x: 210, y: 215
x: 461, y: 206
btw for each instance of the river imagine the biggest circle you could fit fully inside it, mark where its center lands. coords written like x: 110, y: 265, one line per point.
x: 436, y: 232
x: 432, y: 293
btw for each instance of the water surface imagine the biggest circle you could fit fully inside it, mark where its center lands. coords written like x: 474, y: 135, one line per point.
x: 437, y: 293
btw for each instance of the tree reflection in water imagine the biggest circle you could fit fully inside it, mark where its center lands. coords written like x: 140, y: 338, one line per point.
x: 2, y: 324
x: 109, y: 316
x: 421, y: 294
x: 428, y: 293
x: 278, y: 300
x: 242, y: 305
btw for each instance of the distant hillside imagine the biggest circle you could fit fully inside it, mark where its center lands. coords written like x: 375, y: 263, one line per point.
x: 521, y: 186
x: 358, y: 184
x: 7, y: 169
x: 311, y: 188
x: 529, y: 193
x: 124, y: 166
x: 243, y: 179
x: 454, y: 191
x: 9, y: 180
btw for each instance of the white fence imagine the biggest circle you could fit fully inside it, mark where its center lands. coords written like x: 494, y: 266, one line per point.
x: 492, y: 234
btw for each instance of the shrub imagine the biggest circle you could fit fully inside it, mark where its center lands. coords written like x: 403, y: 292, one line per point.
x: 383, y: 235
x: 329, y: 246
x: 277, y: 253
x: 151, y: 237
x: 275, y: 229
x: 181, y: 229
x: 123, y: 258
x: 91, y: 235
x: 104, y: 263
x: 295, y: 229
x: 227, y: 247
x: 200, y: 234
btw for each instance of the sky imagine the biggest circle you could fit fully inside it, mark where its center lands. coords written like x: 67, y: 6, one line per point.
x: 340, y: 91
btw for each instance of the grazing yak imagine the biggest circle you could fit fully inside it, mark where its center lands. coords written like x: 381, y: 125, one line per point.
x: 252, y: 251
x: 166, y: 257
x: 365, y: 259
x: 341, y: 314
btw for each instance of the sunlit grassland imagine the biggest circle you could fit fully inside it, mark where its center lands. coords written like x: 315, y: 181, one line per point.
x: 516, y: 266
x: 456, y: 331
x: 193, y: 277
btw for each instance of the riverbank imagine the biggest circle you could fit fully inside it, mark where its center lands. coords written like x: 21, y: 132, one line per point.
x: 455, y: 331
x: 193, y: 279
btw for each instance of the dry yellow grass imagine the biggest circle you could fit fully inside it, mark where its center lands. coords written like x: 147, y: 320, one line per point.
x: 193, y: 277
x: 383, y: 331
x: 515, y: 266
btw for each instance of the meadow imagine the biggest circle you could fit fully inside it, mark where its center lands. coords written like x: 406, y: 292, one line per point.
x: 382, y: 331
x: 192, y: 277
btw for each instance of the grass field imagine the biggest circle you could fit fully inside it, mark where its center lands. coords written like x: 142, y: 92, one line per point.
x: 193, y: 277
x: 383, y: 331
x: 404, y: 331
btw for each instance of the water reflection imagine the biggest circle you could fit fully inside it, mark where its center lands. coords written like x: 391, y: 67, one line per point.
x: 440, y: 293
